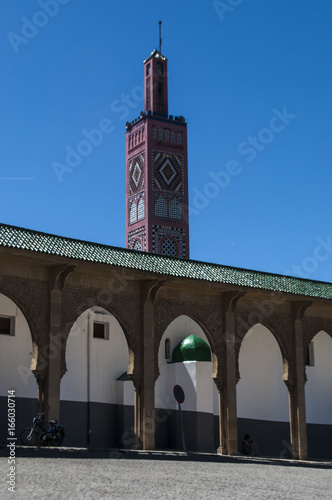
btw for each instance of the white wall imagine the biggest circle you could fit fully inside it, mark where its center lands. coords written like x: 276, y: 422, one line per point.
x: 125, y: 392
x: 261, y: 392
x: 16, y: 354
x: 194, y: 378
x: 205, y: 386
x: 108, y: 359
x: 318, y: 392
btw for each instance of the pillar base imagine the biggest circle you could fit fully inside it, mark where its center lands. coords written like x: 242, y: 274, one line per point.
x: 222, y: 451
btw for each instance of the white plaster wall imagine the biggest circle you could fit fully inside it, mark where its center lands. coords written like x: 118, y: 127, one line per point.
x: 261, y: 392
x: 183, y: 374
x: 191, y: 376
x: 108, y: 359
x: 205, y: 386
x: 16, y: 354
x: 318, y: 386
x: 74, y: 382
x: 125, y: 392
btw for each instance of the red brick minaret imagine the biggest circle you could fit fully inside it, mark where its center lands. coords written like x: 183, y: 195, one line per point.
x: 156, y: 163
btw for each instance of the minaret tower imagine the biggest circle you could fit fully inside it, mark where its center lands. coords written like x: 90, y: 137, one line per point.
x: 156, y: 175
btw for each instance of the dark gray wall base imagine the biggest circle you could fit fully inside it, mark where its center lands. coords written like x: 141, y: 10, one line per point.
x: 111, y: 426
x: 271, y: 437
x: 198, y: 430
x: 25, y: 410
x: 319, y: 441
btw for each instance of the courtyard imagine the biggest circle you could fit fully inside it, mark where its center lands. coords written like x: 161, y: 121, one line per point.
x: 100, y: 475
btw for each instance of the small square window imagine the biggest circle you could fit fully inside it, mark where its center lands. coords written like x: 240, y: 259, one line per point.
x: 7, y: 325
x: 100, y: 330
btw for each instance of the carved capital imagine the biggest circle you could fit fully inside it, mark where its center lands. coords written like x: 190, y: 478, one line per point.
x: 299, y: 309
x: 230, y: 300
x: 219, y: 381
x: 58, y: 276
x: 150, y: 289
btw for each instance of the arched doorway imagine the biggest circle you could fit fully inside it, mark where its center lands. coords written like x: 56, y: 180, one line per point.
x: 318, y: 396
x: 193, y: 373
x: 15, y: 374
x: 97, y: 397
x: 262, y: 396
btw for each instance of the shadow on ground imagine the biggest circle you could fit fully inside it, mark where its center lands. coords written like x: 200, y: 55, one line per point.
x: 116, y: 454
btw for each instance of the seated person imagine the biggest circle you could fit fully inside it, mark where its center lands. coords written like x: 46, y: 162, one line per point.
x: 250, y: 447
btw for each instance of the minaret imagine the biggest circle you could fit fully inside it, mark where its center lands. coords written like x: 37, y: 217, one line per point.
x: 156, y: 163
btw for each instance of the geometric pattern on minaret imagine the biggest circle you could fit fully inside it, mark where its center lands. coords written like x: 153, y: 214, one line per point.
x: 157, y: 170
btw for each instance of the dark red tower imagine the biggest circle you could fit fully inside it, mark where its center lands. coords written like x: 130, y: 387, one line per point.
x: 157, y: 177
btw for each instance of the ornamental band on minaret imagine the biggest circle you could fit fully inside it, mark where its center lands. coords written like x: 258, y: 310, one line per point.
x: 156, y: 170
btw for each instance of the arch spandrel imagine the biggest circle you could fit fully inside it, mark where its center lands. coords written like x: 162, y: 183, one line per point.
x: 280, y: 325
x: 125, y: 308
x: 312, y: 326
x: 32, y: 297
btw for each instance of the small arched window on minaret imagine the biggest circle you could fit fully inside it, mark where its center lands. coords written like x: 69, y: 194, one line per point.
x: 133, y: 213
x: 160, y: 87
x: 140, y: 209
x: 148, y: 92
x: 175, y: 209
x: 161, y: 207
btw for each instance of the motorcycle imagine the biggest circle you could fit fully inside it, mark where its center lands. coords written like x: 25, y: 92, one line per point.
x: 53, y: 436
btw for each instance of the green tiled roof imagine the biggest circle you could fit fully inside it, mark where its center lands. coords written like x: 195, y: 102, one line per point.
x: 26, y: 239
x: 124, y: 377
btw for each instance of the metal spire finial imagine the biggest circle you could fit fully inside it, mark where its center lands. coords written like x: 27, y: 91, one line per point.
x: 159, y: 37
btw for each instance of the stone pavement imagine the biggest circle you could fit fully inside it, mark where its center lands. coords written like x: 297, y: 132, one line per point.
x: 100, y: 475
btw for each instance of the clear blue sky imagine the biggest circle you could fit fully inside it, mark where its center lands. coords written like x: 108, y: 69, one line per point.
x: 259, y: 185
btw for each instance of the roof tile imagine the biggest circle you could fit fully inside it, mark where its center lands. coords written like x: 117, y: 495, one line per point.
x: 26, y: 239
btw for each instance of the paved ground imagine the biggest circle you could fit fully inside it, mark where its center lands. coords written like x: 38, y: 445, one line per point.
x: 72, y: 474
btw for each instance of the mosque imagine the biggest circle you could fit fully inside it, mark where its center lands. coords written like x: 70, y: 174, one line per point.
x: 98, y: 337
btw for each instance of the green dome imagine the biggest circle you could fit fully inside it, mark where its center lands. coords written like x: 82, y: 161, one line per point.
x: 191, y: 348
